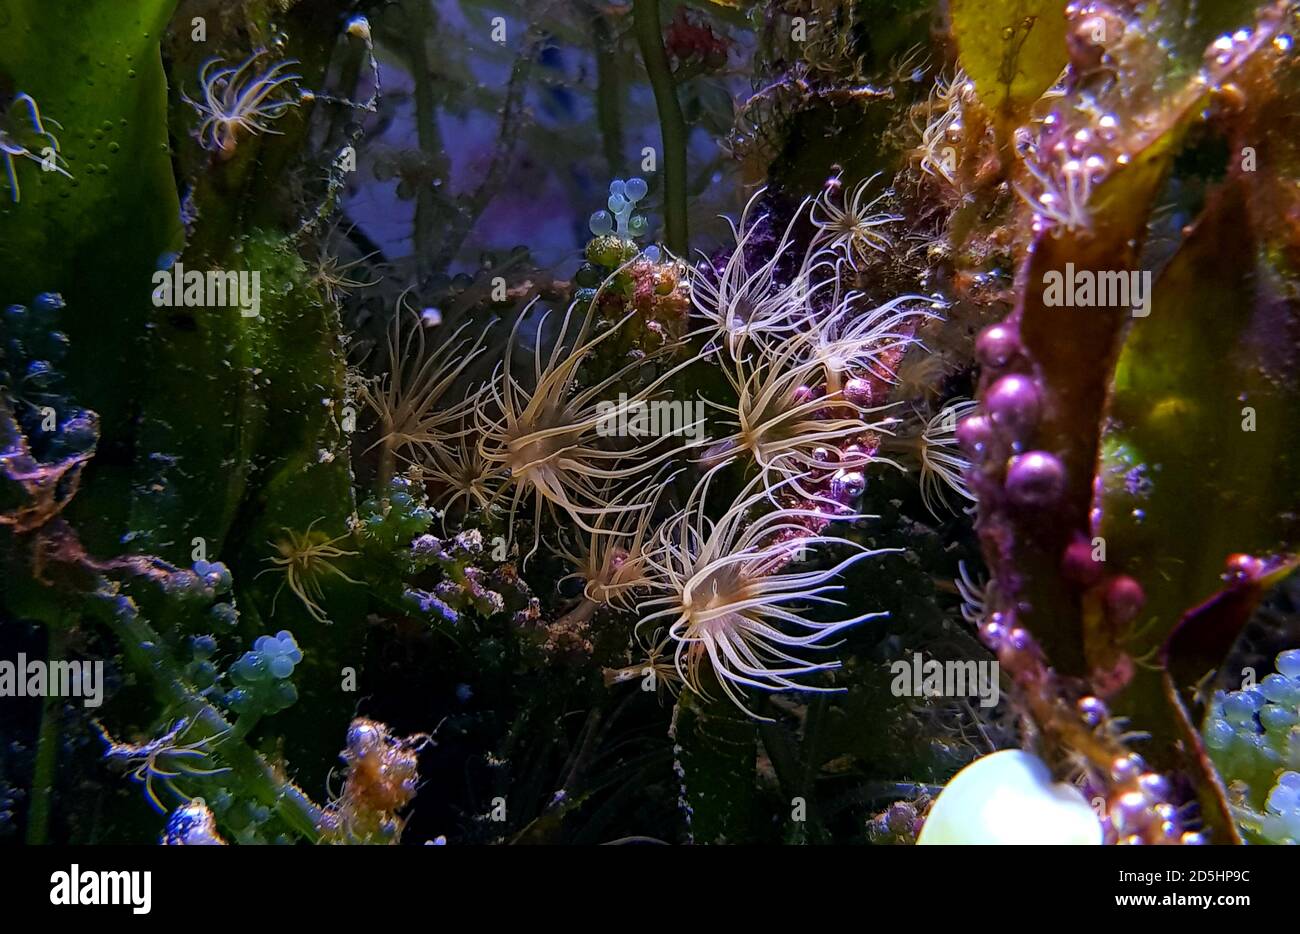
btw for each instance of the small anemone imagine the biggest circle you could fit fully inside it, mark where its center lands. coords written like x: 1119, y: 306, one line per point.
x: 849, y: 228
x: 975, y: 596
x: 23, y: 135
x: 460, y: 469
x: 743, y: 300
x: 727, y: 594
x: 163, y: 760
x: 410, y: 399
x: 239, y: 99
x: 307, y: 559
x: 547, y: 437
x: 783, y: 423
x: 936, y: 153
x: 1066, y: 183
x: 848, y: 342
x: 612, y: 562
x: 943, y: 467
x: 333, y: 276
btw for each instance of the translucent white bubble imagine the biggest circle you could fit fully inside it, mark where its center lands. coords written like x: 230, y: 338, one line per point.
x: 635, y: 189
x: 601, y: 223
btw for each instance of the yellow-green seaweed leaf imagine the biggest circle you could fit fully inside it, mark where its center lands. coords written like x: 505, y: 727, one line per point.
x: 1014, y: 50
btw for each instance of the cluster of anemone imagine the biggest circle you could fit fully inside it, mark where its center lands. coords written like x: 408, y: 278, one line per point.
x: 807, y: 394
x: 1066, y: 166
x: 526, y: 435
x: 809, y: 385
x: 809, y: 363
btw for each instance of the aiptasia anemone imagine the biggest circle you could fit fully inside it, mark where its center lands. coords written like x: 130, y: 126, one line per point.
x: 731, y: 600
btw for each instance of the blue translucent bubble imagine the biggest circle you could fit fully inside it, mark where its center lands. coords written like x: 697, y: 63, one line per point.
x: 1278, y: 719
x: 285, y: 693
x: 601, y: 223
x: 1237, y: 708
x: 635, y: 189
x: 239, y: 700
x: 1219, y: 735
x: 1288, y: 663
x: 48, y: 301
x: 224, y: 615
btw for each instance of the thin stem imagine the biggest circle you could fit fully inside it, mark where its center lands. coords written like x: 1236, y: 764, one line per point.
x: 47, y: 752
x: 672, y: 125
x: 609, y: 92
x: 428, y: 134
